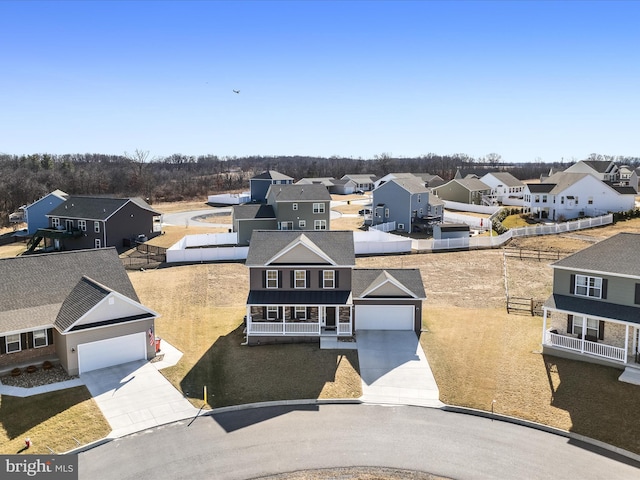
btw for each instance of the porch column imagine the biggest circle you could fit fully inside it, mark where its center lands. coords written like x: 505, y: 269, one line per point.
x: 634, y: 345
x: 626, y: 342
x: 544, y: 325
x: 584, y: 333
x: 248, y: 326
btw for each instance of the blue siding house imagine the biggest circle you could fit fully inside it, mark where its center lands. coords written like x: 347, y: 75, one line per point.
x: 35, y: 214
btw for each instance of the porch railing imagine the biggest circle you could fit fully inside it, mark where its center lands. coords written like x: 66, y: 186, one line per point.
x: 292, y: 328
x: 585, y: 346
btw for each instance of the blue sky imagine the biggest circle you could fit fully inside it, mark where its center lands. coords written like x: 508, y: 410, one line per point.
x: 527, y: 80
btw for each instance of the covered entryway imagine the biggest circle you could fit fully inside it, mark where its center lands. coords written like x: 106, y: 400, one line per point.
x: 384, y: 317
x: 112, y: 351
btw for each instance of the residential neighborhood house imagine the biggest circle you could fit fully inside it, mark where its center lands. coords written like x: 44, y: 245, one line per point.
x: 593, y: 313
x: 464, y: 190
x: 364, y: 181
x: 334, y: 186
x: 505, y: 188
x: 86, y: 314
x: 35, y: 214
x: 303, y: 286
x: 259, y: 185
x: 427, y: 179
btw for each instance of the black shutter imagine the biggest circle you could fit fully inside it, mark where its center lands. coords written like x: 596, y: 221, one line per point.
x: 336, y: 281
x: 3, y: 346
x: 308, y: 312
x: 280, y: 279
x: 604, y: 287
x: 49, y: 336
x: 264, y: 279
x: 320, y: 282
x: 29, y: 340
x: 572, y: 287
x: 637, y: 299
x: 293, y: 280
x: 264, y: 313
x: 292, y: 311
x: 24, y: 341
x: 600, y: 330
x: 280, y: 313
x: 569, y: 324
x: 308, y: 272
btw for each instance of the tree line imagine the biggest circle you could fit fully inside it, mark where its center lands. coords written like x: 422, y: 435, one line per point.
x: 26, y: 178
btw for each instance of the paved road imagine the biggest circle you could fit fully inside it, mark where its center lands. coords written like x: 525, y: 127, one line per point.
x: 252, y: 443
x: 191, y: 218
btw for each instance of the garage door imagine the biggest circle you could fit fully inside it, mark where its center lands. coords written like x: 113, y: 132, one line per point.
x: 112, y: 351
x: 384, y: 317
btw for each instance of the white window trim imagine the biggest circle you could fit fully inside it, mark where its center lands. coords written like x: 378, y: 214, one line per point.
x: 386, y: 213
x: 298, y: 315
x: 96, y: 227
x: 591, y: 331
x: 267, y: 279
x: 295, y: 278
x: 302, y: 223
x: 55, y: 222
x: 97, y: 243
x: 295, y: 206
x: 271, y: 309
x: 68, y: 224
x: 584, y: 282
x: 82, y: 225
x: 287, y: 225
x: 400, y: 226
x: 318, y: 208
x: 319, y: 224
x: 7, y: 342
x: 46, y: 340
x: 325, y: 280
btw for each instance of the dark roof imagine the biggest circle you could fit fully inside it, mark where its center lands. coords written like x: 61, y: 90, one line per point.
x: 34, y: 287
x: 410, y: 278
x: 623, y: 189
x: 271, y: 175
x: 298, y: 193
x: 298, y: 297
x: 95, y: 208
x: 540, y: 187
x: 615, y: 255
x: 600, y: 166
x: 454, y: 227
x: 594, y: 308
x: 335, y: 244
x: 85, y: 295
x: 253, y: 210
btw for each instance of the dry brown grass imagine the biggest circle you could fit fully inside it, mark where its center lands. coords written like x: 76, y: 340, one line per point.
x: 171, y: 234
x: 12, y: 249
x: 347, y: 223
x: 175, y: 207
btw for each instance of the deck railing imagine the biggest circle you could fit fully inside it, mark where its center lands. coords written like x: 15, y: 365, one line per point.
x: 585, y: 346
x: 292, y: 328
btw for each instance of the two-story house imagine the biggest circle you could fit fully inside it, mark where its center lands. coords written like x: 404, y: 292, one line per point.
x: 505, y: 188
x: 35, y: 214
x: 572, y: 195
x: 463, y: 190
x: 302, y: 286
x: 406, y: 201
x: 593, y: 313
x: 97, y: 222
x: 603, y: 170
x: 259, y: 185
x: 288, y: 207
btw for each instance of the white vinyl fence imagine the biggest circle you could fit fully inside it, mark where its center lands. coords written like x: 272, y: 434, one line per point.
x: 468, y: 207
x: 384, y: 227
x: 474, y: 222
x: 208, y: 247
x: 230, y: 198
x: 376, y: 242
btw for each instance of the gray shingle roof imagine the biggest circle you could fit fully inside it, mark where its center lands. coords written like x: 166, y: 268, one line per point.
x: 95, y: 208
x: 360, y: 177
x: 271, y: 175
x: 335, y: 244
x: 42, y: 283
x: 410, y: 278
x: 600, y: 166
x: 473, y: 184
x: 615, y: 255
x: 540, y: 187
x: 507, y: 179
x: 84, y: 296
x: 410, y: 184
x: 253, y: 210
x: 594, y: 308
x: 298, y: 193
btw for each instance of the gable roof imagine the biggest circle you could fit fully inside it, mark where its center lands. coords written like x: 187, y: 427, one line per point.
x: 472, y: 184
x: 24, y: 304
x: 540, y: 187
x: 298, y: 193
x: 85, y: 295
x: 365, y: 280
x: 326, y: 181
x: 336, y: 246
x: 253, y: 210
x: 271, y: 175
x: 95, y: 208
x: 600, y: 166
x: 616, y: 255
x: 360, y: 177
x: 410, y: 184
x: 506, y: 178
x: 56, y: 193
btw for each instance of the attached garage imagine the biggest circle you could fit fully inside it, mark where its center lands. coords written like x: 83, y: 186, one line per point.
x: 111, y: 351
x: 384, y: 317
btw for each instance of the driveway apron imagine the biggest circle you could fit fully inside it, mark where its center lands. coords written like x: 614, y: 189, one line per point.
x: 136, y: 396
x: 395, y: 370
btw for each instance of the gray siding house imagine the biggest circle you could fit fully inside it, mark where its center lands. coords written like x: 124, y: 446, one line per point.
x: 593, y: 313
x: 405, y: 201
x: 87, y: 317
x: 259, y: 185
x: 35, y: 214
x: 302, y: 287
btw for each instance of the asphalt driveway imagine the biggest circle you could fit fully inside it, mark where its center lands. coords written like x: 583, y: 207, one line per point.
x: 136, y: 396
x: 394, y: 369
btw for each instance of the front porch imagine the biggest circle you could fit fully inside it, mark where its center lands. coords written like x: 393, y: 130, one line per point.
x: 299, y: 320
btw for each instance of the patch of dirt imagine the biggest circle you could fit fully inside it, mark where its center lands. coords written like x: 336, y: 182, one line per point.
x: 355, y: 473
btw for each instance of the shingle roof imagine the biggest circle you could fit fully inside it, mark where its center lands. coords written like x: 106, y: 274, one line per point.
x: 95, y: 208
x: 298, y: 297
x: 410, y: 184
x: 473, y: 184
x: 271, y: 175
x: 360, y: 177
x: 84, y: 296
x: 410, y: 278
x: 540, y: 187
x: 326, y: 181
x: 253, y: 210
x: 594, y: 308
x: 615, y: 255
x: 600, y: 166
x: 298, y: 193
x: 335, y: 244
x: 507, y: 179
x: 41, y: 283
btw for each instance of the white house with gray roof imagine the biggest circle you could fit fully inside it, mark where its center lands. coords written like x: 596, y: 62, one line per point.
x: 85, y: 314
x: 593, y: 313
x: 505, y: 188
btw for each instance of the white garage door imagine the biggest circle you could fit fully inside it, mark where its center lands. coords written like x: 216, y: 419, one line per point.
x: 384, y: 317
x: 112, y: 351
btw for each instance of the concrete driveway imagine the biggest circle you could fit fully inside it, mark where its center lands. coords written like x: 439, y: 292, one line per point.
x: 394, y: 369
x: 136, y: 396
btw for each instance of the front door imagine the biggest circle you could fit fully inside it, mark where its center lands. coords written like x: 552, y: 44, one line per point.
x: 330, y: 318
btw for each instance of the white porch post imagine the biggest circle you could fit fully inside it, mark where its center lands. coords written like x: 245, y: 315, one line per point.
x: 320, y: 313
x: 248, y: 319
x: 584, y: 333
x: 634, y: 344
x: 544, y: 325
x: 626, y: 342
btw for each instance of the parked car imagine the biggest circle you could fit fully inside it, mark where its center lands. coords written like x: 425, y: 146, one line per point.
x: 364, y: 211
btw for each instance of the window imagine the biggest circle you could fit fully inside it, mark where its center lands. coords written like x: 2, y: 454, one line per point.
x: 544, y: 199
x: 69, y: 225
x: 96, y: 227
x: 295, y: 206
x: 562, y: 200
x: 272, y: 279
x: 401, y: 226
x: 318, y: 208
x: 13, y: 343
x: 537, y: 199
x: 386, y: 213
x: 418, y: 198
x: 82, y: 225
x: 55, y: 222
x: 328, y: 279
x: 593, y: 327
x: 97, y: 243
x: 285, y: 225
x: 272, y: 312
x: 576, y: 200
x: 319, y: 224
x: 300, y: 279
x: 302, y: 223
x: 39, y: 338
x: 301, y: 312
x: 588, y: 286
x: 590, y: 200
x: 420, y: 213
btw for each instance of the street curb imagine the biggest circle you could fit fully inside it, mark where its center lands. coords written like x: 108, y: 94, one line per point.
x: 545, y: 428
x: 283, y: 403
